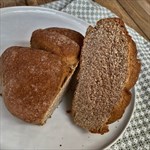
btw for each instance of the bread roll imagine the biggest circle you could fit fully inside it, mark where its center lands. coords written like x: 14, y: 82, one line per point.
x: 32, y: 82
x: 52, y: 40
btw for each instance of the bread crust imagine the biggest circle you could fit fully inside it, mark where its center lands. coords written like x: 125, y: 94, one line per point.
x: 134, y: 67
x: 52, y: 40
x: 131, y: 78
x: 73, y: 35
x: 31, y: 81
x: 35, y: 79
x: 133, y: 73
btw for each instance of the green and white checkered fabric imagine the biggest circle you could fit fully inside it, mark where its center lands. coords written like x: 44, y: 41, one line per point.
x: 137, y: 134
x: 57, y: 5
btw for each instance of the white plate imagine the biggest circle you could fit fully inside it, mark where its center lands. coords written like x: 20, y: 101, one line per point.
x: 59, y: 132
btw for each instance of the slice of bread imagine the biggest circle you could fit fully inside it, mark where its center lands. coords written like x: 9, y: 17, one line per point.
x: 58, y: 41
x: 108, y: 69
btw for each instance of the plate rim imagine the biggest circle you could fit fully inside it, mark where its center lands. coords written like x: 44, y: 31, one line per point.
x: 6, y: 10
x: 129, y: 119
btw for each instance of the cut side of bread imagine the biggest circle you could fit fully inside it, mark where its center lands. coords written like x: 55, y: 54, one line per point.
x: 108, y: 69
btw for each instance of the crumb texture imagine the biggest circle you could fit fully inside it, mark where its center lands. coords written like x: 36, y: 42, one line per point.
x: 102, y: 74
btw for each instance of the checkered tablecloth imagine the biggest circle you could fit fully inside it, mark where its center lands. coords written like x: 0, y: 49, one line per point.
x: 137, y: 134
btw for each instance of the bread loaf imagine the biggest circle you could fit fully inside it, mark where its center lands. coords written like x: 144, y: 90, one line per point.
x: 34, y: 79
x: 31, y: 81
x: 108, y: 69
